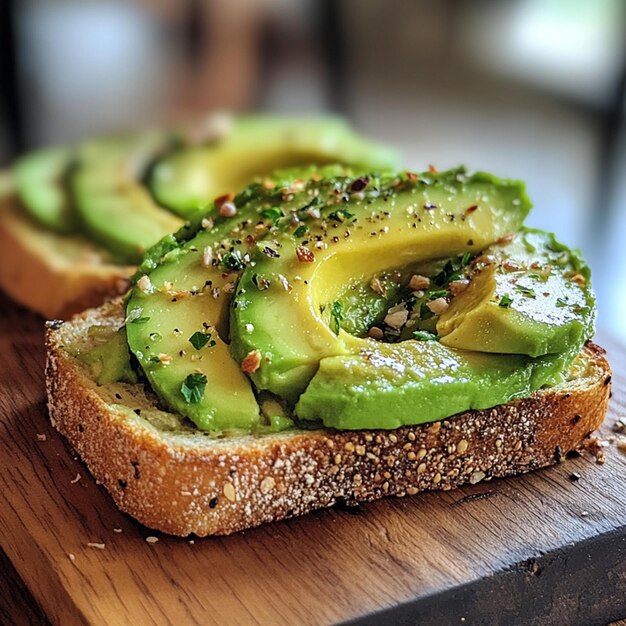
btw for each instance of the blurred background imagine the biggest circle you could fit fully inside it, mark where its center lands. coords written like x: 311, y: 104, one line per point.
x: 531, y: 89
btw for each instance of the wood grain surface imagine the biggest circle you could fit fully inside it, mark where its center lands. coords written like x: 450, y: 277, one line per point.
x: 543, y: 548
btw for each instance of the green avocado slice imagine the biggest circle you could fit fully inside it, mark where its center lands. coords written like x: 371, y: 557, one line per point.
x: 528, y: 296
x: 415, y: 382
x: 189, y: 179
x: 113, y: 205
x: 365, y: 226
x: 178, y: 311
x: 39, y: 180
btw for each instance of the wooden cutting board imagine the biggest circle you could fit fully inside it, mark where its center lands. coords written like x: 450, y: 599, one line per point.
x: 544, y: 548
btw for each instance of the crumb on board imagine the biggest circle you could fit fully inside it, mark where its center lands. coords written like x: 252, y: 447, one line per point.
x: 117, y: 530
x: 75, y: 480
x: 152, y: 539
x: 71, y: 557
x: 41, y: 437
x: 99, y: 546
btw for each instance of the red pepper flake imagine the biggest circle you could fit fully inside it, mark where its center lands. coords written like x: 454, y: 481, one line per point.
x: 471, y: 209
x: 432, y: 169
x: 220, y: 200
x: 506, y: 238
x: 304, y: 255
x: 250, y: 240
x: 412, y: 176
x: 251, y: 362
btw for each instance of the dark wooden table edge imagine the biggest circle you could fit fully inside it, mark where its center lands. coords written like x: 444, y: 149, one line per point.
x: 587, y: 582
x: 17, y: 604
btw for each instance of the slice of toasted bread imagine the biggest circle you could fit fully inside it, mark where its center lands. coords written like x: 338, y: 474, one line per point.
x: 173, y: 477
x: 55, y: 275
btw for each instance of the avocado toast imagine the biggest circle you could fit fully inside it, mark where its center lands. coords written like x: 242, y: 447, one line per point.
x: 332, y: 334
x: 76, y: 220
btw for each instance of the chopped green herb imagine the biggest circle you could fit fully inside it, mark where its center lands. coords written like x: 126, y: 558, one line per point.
x: 341, y: 215
x: 505, y: 301
x: 526, y: 291
x: 199, y: 339
x: 272, y: 213
x: 336, y: 313
x: 560, y: 303
x: 134, y: 316
x: 232, y: 261
x: 424, y: 335
x: 193, y: 387
x: 466, y: 258
x: 436, y: 293
x: 302, y: 230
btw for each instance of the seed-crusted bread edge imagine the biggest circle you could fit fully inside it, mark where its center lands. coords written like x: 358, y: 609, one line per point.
x: 35, y: 272
x: 206, y: 486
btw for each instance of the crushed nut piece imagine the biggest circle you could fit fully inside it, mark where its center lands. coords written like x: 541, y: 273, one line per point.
x: 438, y: 306
x: 251, y: 362
x: 419, y: 282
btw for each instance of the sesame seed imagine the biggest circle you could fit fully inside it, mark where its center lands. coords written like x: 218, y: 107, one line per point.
x: 421, y: 453
x: 421, y: 468
x: 360, y: 450
x: 151, y: 539
x: 411, y: 491
x: 267, y: 484
x: 476, y: 477
x: 229, y: 492
x: 462, y: 446
x: 337, y: 459
x: 437, y: 478
x: 349, y: 447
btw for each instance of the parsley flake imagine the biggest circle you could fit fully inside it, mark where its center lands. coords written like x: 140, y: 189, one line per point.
x: 199, y: 339
x: 560, y: 303
x: 336, y: 313
x: 193, y: 387
x: 505, y: 301
x: 424, y: 335
x: 526, y: 291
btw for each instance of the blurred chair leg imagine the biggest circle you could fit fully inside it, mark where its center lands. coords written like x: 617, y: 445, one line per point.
x: 9, y: 92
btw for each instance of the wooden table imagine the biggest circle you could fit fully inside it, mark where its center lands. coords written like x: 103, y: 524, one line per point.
x: 544, y: 548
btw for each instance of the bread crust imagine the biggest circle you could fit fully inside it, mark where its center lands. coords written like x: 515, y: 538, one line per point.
x: 37, y: 270
x: 207, y: 486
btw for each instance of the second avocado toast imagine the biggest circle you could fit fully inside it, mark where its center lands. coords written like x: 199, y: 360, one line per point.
x: 328, y: 334
x: 76, y: 219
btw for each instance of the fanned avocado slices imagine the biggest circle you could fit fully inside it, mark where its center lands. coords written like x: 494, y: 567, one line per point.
x: 367, y: 225
x: 114, y: 206
x: 40, y: 179
x: 255, y: 146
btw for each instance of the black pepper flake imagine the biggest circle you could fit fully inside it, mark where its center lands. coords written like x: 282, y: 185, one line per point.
x: 136, y: 472
x: 272, y: 254
x: 137, y: 411
x: 558, y: 454
x: 360, y: 183
x: 118, y: 395
x: 81, y: 428
x: 575, y: 419
x: 212, y: 503
x: 607, y: 380
x: 574, y: 476
x: 122, y: 483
